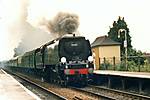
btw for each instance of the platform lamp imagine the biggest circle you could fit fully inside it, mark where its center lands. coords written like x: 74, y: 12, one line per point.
x: 125, y: 44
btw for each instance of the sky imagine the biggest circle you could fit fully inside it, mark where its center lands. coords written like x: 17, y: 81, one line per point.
x: 96, y: 16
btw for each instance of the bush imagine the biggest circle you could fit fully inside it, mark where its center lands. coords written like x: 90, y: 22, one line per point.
x: 105, y: 66
x: 132, y: 66
x: 121, y: 67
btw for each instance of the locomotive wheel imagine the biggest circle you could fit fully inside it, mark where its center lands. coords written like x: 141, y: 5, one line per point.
x: 64, y: 83
x: 61, y: 83
x: 83, y: 83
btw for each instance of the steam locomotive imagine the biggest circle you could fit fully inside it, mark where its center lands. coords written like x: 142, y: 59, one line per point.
x: 64, y: 60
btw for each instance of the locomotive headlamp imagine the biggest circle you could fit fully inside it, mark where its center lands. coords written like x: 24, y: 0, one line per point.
x: 87, y: 65
x: 90, y: 58
x: 63, y: 60
x: 66, y: 66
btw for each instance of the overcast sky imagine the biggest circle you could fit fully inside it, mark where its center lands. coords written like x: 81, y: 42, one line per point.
x: 95, y: 18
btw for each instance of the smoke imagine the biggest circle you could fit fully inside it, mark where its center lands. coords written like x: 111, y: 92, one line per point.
x: 32, y: 38
x: 62, y: 23
x: 23, y: 36
x: 13, y: 15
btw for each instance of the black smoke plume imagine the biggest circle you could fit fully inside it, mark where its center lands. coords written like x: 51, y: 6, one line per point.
x: 63, y: 23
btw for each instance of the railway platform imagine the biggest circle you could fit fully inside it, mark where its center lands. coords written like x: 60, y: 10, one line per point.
x: 145, y: 75
x: 11, y: 89
x: 128, y: 81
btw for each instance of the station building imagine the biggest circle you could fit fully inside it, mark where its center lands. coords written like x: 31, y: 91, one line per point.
x: 105, y: 50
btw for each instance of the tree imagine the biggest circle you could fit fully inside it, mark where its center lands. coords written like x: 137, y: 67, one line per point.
x: 136, y: 56
x: 113, y: 34
x: 133, y: 54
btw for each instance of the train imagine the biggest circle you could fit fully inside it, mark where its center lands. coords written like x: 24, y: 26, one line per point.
x: 64, y: 60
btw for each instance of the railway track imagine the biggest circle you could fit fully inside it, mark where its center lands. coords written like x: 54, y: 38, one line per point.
x: 91, y: 93
x: 61, y: 92
x: 116, y: 94
x: 52, y: 94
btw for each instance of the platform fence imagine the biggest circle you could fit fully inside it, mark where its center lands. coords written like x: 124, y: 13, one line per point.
x: 134, y: 63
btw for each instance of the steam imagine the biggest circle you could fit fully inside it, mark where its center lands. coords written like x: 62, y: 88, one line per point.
x: 32, y: 38
x: 63, y: 23
x: 24, y: 37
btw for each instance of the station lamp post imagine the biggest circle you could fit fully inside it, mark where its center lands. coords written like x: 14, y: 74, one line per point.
x: 125, y: 44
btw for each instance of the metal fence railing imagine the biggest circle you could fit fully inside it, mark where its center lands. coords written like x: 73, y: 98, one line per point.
x: 134, y: 63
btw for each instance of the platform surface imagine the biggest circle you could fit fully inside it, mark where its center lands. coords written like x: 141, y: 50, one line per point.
x: 123, y: 73
x: 11, y: 89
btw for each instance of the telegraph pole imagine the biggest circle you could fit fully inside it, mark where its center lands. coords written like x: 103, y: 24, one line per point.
x: 125, y: 45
